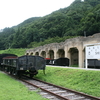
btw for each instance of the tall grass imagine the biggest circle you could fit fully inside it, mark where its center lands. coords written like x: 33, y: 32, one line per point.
x: 80, y: 80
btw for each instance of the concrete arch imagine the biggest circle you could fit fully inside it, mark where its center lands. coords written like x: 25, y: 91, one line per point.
x: 27, y: 53
x: 51, y: 54
x: 61, y: 53
x: 74, y: 56
x: 37, y: 53
x: 31, y: 53
x: 43, y: 54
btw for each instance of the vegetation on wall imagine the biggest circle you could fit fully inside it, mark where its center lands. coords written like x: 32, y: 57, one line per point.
x: 80, y: 18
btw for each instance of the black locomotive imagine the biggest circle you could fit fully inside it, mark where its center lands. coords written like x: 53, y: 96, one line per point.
x: 22, y: 65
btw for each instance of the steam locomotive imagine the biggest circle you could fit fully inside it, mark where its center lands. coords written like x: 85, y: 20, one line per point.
x: 22, y: 65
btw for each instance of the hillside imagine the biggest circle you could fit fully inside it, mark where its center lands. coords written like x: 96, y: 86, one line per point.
x: 80, y: 18
x: 18, y: 52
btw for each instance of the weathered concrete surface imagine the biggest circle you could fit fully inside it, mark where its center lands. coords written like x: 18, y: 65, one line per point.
x: 73, y: 48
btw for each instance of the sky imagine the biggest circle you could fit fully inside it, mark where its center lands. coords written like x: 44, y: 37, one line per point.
x: 13, y: 12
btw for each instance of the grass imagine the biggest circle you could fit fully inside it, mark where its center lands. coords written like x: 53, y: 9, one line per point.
x: 85, y: 81
x: 18, y: 52
x: 11, y: 89
x: 74, y: 66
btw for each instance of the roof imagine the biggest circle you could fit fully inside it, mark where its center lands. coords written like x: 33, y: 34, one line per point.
x: 10, y: 57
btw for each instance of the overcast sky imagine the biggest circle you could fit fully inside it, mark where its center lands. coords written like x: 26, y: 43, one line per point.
x: 13, y: 12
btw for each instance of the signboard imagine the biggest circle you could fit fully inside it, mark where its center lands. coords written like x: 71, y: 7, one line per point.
x: 93, y: 52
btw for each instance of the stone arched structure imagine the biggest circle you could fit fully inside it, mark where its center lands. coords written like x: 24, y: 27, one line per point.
x: 43, y: 54
x: 61, y: 53
x: 37, y: 53
x: 74, y: 58
x: 73, y: 48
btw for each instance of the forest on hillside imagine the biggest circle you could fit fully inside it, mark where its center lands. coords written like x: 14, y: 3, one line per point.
x: 79, y: 19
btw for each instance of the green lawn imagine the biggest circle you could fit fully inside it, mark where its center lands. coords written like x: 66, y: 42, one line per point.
x: 10, y: 89
x: 77, y: 79
x: 85, y: 81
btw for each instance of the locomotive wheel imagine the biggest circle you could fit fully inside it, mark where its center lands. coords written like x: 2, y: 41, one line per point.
x: 11, y: 70
x: 3, y: 68
x: 31, y: 75
x: 14, y: 72
x: 19, y: 74
x: 7, y: 69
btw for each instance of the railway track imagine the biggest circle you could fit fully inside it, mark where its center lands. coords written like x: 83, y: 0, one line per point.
x: 54, y: 92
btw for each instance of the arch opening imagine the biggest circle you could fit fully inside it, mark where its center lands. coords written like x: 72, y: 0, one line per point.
x: 51, y: 54
x: 74, y: 58
x: 61, y: 53
x: 31, y: 53
x: 43, y: 54
x: 27, y: 53
x: 37, y: 53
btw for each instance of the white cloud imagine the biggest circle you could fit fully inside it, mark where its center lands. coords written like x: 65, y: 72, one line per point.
x: 13, y: 12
